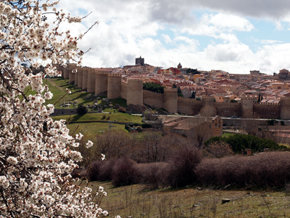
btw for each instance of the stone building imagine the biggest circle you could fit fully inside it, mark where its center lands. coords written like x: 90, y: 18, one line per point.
x: 140, y: 61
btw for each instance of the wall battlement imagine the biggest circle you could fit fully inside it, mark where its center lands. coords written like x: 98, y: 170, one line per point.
x: 267, y: 104
x: 102, y: 80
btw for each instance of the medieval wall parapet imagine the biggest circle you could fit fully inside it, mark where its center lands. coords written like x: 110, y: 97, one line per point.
x: 248, y: 107
x: 285, y: 108
x: 101, y: 83
x: 170, y: 100
x: 101, y: 80
x: 135, y: 92
x: 114, y: 86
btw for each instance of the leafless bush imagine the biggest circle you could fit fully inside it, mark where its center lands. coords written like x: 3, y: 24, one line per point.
x: 93, y: 170
x: 181, y: 167
x: 218, y: 150
x: 106, y: 169
x: 124, y: 172
x: 152, y: 173
x: 269, y: 169
x: 114, y: 144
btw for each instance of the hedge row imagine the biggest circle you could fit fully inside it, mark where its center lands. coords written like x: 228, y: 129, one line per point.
x: 268, y: 169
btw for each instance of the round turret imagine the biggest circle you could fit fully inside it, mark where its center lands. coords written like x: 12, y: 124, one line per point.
x: 208, y: 109
x: 248, y: 107
x: 285, y: 108
x: 170, y: 100
x: 114, y: 86
x: 80, y: 77
x: 135, y: 92
x: 85, y: 79
x: 101, y: 82
x: 91, y: 80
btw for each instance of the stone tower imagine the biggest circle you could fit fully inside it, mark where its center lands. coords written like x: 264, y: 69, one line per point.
x: 248, y: 107
x: 285, y: 108
x: 91, y: 80
x: 80, y: 77
x: 85, y: 79
x: 140, y: 61
x: 114, y: 86
x: 65, y: 72
x: 208, y: 109
x: 135, y: 92
x: 72, y: 75
x: 170, y: 100
x: 101, y: 82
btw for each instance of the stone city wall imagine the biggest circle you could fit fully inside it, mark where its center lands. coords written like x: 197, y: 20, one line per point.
x: 103, y: 81
x: 124, y: 90
x: 188, y: 106
x: 226, y: 109
x: 267, y: 111
x: 153, y: 99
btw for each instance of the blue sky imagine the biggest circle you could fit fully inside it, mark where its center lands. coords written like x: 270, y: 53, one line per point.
x: 231, y: 35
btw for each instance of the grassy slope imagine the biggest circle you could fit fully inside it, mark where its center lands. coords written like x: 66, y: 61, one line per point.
x: 90, y: 130
x: 135, y: 201
x: 58, y: 87
x: 116, y: 117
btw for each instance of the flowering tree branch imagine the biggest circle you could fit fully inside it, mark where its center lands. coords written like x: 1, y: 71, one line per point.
x: 36, y: 152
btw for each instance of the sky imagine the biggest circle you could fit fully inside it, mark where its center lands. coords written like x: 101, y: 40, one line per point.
x: 231, y: 35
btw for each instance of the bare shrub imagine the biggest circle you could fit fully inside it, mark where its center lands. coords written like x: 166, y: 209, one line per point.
x: 106, y: 170
x: 93, y: 170
x: 113, y: 143
x: 181, y: 167
x: 152, y: 173
x: 124, y: 172
x: 268, y: 169
x: 218, y: 150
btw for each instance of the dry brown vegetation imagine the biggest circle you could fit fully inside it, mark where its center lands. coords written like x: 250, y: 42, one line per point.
x: 138, y: 201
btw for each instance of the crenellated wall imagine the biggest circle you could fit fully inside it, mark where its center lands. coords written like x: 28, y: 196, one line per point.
x: 248, y: 107
x: 71, y: 77
x: 85, y: 79
x: 91, y: 80
x: 114, y: 86
x: 226, y: 109
x: 80, y: 77
x: 101, y: 80
x: 267, y: 111
x: 135, y: 92
x: 188, y: 106
x: 208, y: 109
x: 285, y: 108
x: 170, y: 100
x: 124, y: 90
x: 153, y: 99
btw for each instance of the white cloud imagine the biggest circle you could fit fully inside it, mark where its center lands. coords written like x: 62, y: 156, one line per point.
x: 128, y: 29
x: 219, y: 25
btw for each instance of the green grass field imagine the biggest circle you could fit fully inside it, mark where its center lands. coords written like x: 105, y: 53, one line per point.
x: 115, y: 117
x: 137, y: 201
x: 90, y: 130
x: 58, y: 87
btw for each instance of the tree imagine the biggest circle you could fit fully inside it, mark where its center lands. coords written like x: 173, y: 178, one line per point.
x: 36, y: 152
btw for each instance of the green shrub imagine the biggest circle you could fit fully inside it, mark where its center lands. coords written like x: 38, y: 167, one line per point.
x: 154, y: 87
x: 81, y: 110
x: 239, y: 143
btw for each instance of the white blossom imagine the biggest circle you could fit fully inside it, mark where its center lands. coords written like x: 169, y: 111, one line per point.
x: 79, y: 136
x: 4, y: 182
x: 89, y: 144
x: 37, y: 153
x: 12, y: 160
